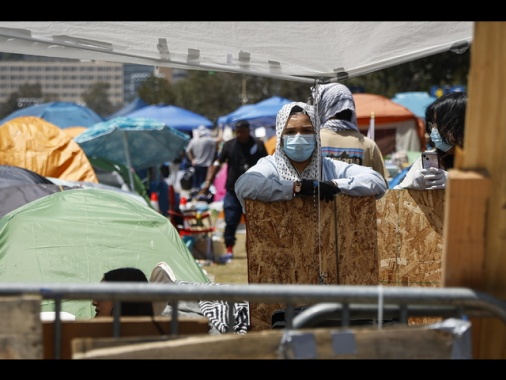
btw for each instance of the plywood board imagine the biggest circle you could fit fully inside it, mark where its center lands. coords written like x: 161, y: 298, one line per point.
x: 410, y: 233
x: 396, y: 241
x: 289, y: 243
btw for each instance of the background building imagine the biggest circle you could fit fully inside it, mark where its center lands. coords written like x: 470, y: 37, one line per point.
x: 66, y: 79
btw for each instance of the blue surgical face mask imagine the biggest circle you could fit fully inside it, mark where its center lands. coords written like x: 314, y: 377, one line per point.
x: 299, y: 147
x: 438, y: 141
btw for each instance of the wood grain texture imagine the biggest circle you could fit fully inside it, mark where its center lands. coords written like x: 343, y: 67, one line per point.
x: 387, y: 343
x: 393, y: 241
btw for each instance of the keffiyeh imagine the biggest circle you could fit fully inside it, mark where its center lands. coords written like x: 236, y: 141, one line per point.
x: 285, y: 167
x: 331, y: 99
x: 217, y: 311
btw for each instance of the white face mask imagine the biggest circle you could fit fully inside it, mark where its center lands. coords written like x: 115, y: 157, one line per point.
x: 299, y: 147
x: 438, y: 141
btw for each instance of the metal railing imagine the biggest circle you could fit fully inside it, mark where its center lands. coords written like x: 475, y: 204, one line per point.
x: 374, y: 302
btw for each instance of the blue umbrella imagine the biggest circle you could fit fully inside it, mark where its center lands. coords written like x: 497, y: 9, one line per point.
x: 261, y: 114
x: 61, y: 114
x: 173, y: 116
x: 138, y: 143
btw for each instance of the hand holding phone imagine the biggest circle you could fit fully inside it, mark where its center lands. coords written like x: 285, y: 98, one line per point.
x: 430, y: 160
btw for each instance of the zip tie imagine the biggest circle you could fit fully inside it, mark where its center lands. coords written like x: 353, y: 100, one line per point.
x: 380, y: 306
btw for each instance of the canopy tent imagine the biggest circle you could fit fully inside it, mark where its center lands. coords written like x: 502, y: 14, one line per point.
x: 263, y: 48
x: 134, y: 105
x: 75, y: 236
x: 61, y: 114
x: 35, y: 144
x: 261, y: 117
x: 396, y: 127
x: 175, y: 117
x: 261, y: 114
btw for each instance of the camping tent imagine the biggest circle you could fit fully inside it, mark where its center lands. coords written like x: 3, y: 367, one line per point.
x: 18, y: 186
x: 396, y: 127
x: 31, y: 142
x: 115, y: 174
x: 61, y: 114
x: 331, y: 49
x: 75, y: 236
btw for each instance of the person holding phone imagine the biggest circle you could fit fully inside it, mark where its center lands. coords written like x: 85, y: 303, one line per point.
x: 444, y: 122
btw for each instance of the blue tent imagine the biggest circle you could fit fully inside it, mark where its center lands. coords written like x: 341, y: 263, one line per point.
x: 61, y: 114
x: 135, y: 105
x: 416, y: 101
x: 174, y: 117
x: 261, y: 114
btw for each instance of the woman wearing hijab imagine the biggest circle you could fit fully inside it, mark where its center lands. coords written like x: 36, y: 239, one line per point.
x: 297, y: 167
x: 340, y: 136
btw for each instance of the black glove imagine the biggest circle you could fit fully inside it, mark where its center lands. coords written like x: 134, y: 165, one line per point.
x: 327, y: 189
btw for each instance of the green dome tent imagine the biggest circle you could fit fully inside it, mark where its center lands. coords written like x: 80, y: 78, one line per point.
x: 75, y: 236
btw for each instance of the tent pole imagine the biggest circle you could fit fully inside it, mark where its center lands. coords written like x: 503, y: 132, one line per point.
x: 129, y: 161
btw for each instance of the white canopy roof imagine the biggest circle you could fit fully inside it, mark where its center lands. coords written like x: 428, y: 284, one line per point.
x: 299, y: 51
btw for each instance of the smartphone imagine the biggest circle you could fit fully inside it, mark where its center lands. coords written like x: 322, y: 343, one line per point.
x: 430, y: 160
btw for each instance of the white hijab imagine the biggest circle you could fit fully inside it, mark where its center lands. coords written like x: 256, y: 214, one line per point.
x: 285, y: 167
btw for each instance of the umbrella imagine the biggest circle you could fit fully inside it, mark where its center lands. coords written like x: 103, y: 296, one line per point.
x: 139, y: 143
x: 61, y: 114
x: 75, y: 236
x: 261, y: 114
x: 173, y: 116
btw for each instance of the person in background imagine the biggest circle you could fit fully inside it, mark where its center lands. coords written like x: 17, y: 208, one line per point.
x: 293, y: 169
x: 444, y: 122
x: 201, y: 152
x: 339, y: 133
x: 104, y: 308
x: 240, y: 154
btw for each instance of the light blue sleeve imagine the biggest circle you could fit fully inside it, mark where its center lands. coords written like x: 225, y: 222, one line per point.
x: 353, y: 179
x: 261, y: 182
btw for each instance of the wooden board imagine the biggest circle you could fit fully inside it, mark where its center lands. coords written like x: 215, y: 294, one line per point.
x: 365, y: 343
x: 284, y: 246
x: 129, y: 327
x: 410, y: 233
x: 21, y: 327
x: 396, y: 240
